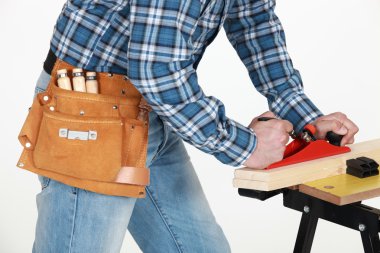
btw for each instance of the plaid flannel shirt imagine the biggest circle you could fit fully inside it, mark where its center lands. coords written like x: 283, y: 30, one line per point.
x: 158, y: 44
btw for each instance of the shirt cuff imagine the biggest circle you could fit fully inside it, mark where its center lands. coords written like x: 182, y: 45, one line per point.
x: 238, y: 147
x: 295, y: 107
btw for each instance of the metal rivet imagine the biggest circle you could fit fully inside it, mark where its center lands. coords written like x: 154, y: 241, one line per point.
x: 125, y: 77
x: 110, y: 74
x: 81, y: 112
x: 45, y: 98
x: 362, y: 227
x: 21, y: 164
x: 306, y: 209
x: 28, y: 144
x: 93, y: 135
x: 63, y: 132
x: 114, y: 107
x: 51, y: 108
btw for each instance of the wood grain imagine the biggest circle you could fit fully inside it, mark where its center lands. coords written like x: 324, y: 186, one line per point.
x: 300, y: 173
x: 343, y: 189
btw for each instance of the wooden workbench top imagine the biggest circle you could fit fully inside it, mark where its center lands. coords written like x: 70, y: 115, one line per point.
x: 302, y: 173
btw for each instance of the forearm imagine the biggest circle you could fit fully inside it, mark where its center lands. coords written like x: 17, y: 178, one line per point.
x: 200, y: 120
x: 258, y: 37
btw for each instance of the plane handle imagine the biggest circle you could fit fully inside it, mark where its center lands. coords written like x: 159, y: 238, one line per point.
x: 333, y: 138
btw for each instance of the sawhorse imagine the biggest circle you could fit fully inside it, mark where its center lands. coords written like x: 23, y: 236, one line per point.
x: 357, y: 216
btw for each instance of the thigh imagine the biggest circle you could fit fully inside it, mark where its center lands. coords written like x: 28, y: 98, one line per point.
x: 75, y: 220
x: 175, y: 216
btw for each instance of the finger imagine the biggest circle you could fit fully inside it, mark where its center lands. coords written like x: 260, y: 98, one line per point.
x: 334, y: 125
x: 351, y: 141
x: 336, y: 115
x: 284, y: 139
x: 282, y: 125
x: 281, y: 138
x: 288, y: 126
x: 352, y: 130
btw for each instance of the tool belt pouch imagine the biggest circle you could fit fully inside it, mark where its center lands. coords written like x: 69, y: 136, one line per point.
x: 97, y: 142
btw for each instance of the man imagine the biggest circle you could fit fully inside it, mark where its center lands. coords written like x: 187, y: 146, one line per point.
x: 158, y: 45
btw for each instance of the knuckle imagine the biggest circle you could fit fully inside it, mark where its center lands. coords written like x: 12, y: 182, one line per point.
x: 284, y: 139
x: 282, y: 124
x: 287, y: 124
x: 336, y: 124
x: 353, y: 130
x: 340, y: 115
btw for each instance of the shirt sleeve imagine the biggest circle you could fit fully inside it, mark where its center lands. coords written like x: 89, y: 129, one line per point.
x: 258, y: 37
x: 161, y: 67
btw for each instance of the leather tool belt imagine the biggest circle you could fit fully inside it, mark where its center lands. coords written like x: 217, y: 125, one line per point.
x: 97, y: 142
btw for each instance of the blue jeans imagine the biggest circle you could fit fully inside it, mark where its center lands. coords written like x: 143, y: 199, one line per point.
x: 174, y: 217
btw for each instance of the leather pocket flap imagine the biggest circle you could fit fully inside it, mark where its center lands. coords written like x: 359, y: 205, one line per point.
x: 82, y: 147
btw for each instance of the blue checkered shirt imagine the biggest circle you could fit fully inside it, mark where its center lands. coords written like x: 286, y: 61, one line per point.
x: 158, y: 44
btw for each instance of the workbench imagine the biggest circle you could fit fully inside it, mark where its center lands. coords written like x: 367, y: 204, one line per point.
x: 321, y: 189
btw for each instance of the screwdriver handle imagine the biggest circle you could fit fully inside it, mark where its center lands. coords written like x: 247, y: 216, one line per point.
x: 334, y: 138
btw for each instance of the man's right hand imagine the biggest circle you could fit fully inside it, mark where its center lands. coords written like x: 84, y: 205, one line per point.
x: 272, y: 137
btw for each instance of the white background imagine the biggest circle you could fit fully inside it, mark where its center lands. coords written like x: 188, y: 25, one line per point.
x: 334, y: 44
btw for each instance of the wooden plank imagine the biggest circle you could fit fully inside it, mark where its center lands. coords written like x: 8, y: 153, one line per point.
x: 254, y: 185
x: 324, y: 165
x: 304, y: 172
x: 343, y: 189
x: 285, y: 182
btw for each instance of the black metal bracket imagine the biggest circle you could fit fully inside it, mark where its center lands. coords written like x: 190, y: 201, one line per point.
x: 362, y: 167
x: 260, y: 195
x: 357, y: 216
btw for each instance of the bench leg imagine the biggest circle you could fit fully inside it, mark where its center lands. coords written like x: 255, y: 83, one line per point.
x: 306, y: 233
x: 371, y: 242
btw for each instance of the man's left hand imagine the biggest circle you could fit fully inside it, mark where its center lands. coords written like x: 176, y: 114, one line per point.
x: 339, y: 124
